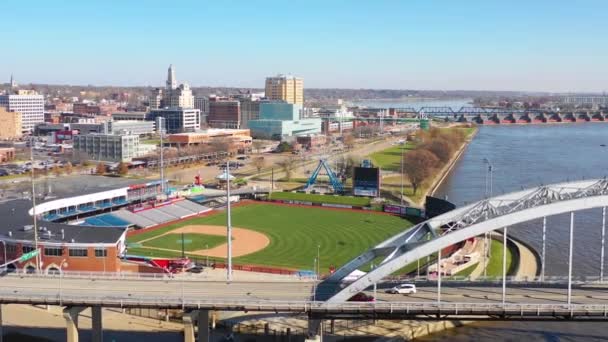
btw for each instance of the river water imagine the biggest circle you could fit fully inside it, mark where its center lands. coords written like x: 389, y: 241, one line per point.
x: 526, y: 156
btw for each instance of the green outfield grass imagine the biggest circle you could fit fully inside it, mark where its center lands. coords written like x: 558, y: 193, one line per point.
x: 494, y: 267
x: 316, y: 198
x: 390, y: 159
x: 192, y: 241
x: 295, y: 233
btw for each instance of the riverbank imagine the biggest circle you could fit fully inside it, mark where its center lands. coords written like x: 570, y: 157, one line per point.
x: 444, y: 171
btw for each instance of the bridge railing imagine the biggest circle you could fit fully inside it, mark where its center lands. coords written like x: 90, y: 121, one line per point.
x: 185, y: 276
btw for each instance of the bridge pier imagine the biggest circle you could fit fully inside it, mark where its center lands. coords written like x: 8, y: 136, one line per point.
x: 1, y: 324
x: 200, y: 318
x: 70, y: 314
x: 97, y: 326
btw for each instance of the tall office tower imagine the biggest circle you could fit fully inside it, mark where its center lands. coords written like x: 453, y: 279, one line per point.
x: 171, y: 81
x: 285, y: 88
x: 27, y: 102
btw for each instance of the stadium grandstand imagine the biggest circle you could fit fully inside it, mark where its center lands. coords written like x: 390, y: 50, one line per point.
x: 86, y: 232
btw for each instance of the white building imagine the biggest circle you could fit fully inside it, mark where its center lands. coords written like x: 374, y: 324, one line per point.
x: 27, y: 102
x: 173, y: 96
x: 108, y: 147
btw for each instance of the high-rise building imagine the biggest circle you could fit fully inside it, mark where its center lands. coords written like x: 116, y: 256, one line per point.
x: 27, y: 102
x: 285, y: 88
x: 224, y: 114
x: 173, y: 96
x: 171, y: 81
x: 10, y: 124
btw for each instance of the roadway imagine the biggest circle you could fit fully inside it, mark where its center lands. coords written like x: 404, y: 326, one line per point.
x: 177, y: 292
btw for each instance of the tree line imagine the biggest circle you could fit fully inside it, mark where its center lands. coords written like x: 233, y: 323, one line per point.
x: 434, y: 149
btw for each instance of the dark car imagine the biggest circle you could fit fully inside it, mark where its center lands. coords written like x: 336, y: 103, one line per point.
x: 4, y: 172
x: 362, y: 297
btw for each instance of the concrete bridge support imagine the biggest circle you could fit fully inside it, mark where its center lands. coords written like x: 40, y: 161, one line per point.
x: 1, y: 324
x: 199, y: 318
x: 70, y: 314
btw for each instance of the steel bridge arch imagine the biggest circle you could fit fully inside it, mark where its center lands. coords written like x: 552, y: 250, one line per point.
x: 460, y: 224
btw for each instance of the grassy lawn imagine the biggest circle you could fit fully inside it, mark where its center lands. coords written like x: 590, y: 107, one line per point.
x: 316, y: 198
x: 390, y: 159
x: 494, y: 268
x: 295, y: 233
x: 192, y: 241
x: 467, y: 271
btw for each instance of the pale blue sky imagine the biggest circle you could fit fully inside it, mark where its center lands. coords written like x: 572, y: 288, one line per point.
x: 496, y: 45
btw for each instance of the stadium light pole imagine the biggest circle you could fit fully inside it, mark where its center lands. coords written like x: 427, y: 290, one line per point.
x: 161, y: 125
x: 228, y: 223
x: 34, y: 204
x: 570, y: 258
x: 401, y: 195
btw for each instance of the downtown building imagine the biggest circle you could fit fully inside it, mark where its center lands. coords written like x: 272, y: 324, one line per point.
x: 286, y: 88
x: 176, y: 105
x: 27, y: 102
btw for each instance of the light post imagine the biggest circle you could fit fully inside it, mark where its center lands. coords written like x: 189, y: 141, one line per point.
x: 228, y: 223
x: 489, y: 172
x: 318, y: 260
x: 61, y: 265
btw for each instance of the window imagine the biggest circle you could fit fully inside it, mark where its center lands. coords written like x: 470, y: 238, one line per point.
x: 53, y: 251
x: 11, y: 249
x: 78, y: 252
x: 101, y: 252
x: 27, y: 249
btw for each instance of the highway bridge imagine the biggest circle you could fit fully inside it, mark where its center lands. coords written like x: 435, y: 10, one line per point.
x: 439, y: 299
x: 481, y: 115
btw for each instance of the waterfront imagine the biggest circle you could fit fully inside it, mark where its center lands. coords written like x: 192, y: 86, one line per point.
x: 526, y: 156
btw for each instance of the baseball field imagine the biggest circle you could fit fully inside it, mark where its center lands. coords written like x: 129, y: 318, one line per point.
x: 274, y: 235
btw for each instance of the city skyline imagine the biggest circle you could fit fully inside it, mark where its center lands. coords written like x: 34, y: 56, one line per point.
x: 544, y: 46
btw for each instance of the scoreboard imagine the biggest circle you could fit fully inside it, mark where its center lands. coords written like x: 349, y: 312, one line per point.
x: 366, y: 181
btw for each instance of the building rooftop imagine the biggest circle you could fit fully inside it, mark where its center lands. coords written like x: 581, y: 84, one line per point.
x: 18, y: 225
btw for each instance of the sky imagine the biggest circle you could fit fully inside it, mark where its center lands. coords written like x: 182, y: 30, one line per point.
x: 517, y: 45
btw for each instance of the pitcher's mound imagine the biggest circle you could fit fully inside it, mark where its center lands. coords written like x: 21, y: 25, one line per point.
x: 244, y: 241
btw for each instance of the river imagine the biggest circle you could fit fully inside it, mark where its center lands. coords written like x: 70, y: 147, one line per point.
x: 526, y: 156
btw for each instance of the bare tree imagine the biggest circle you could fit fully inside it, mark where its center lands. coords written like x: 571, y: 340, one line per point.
x: 441, y: 148
x: 101, y: 168
x: 123, y: 168
x: 56, y: 170
x: 287, y: 166
x: 259, y: 163
x: 349, y: 141
x: 68, y: 168
x: 417, y: 165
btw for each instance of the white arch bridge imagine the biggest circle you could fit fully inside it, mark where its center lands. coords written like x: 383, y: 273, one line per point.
x: 458, y: 225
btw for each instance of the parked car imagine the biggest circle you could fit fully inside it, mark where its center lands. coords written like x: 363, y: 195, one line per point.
x: 4, y: 172
x: 362, y: 297
x: 403, y: 289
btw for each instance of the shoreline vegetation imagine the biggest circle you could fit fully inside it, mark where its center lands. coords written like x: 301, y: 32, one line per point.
x: 427, y: 159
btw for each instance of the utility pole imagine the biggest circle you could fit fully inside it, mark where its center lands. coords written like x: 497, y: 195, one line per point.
x: 34, y: 204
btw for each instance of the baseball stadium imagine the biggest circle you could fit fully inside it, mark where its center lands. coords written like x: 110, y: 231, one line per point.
x: 141, y: 228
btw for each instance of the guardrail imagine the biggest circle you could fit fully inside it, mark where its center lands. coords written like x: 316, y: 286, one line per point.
x: 22, y: 273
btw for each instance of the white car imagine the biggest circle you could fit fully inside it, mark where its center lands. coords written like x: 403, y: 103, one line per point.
x: 403, y: 289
